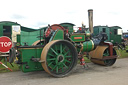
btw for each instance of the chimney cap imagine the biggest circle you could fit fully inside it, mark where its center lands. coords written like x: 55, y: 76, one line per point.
x: 90, y: 10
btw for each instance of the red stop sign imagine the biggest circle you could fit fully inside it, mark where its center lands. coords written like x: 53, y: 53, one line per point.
x: 5, y: 44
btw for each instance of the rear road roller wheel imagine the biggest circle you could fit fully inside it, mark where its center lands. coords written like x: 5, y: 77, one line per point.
x: 60, y: 57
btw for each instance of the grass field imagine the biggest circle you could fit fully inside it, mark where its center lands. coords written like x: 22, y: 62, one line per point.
x: 3, y: 69
x: 121, y: 53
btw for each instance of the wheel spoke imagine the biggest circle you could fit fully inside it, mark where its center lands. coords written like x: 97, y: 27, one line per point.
x: 63, y: 49
x: 56, y: 47
x: 54, y: 67
x: 51, y: 54
x: 51, y: 59
x: 65, y: 65
x: 66, y: 52
x: 54, y: 51
x: 57, y: 69
x: 67, y: 61
x: 50, y: 63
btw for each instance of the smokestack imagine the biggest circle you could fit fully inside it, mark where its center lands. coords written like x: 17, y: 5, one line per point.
x: 90, y: 17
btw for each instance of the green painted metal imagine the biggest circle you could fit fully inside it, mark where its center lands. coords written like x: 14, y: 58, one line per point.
x: 57, y: 35
x: 112, y: 33
x: 78, y: 37
x: 1, y: 30
x: 106, y: 53
x: 29, y: 37
x: 68, y: 26
x: 98, y: 29
x: 88, y: 34
x: 88, y: 46
x: 114, y: 36
x: 26, y: 29
x: 27, y: 64
x: 19, y: 40
x: 8, y: 23
x: 6, y: 28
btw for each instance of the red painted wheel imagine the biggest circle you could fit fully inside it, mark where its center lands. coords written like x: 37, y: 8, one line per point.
x: 57, y: 26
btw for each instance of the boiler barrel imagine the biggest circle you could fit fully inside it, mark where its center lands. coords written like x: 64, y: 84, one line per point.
x: 87, y: 46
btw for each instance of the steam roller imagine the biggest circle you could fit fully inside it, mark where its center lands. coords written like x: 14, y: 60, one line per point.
x: 57, y: 51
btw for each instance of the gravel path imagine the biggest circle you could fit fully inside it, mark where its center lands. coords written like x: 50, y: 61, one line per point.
x: 94, y: 75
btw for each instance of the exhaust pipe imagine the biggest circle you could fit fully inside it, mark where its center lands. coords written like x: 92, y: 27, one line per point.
x: 90, y: 17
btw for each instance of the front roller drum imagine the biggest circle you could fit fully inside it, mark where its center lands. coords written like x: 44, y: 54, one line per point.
x: 60, y: 57
x: 98, y: 56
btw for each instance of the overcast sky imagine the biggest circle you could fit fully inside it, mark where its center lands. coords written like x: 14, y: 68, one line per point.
x: 39, y: 13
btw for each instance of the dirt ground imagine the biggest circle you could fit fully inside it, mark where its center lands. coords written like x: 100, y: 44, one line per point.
x: 94, y: 75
